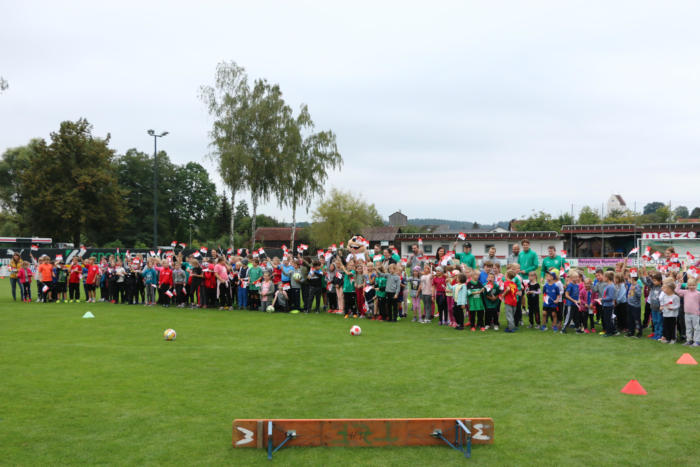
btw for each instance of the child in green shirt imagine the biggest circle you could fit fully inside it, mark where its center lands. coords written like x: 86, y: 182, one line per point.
x: 475, y: 290
x: 255, y: 274
x: 349, y: 297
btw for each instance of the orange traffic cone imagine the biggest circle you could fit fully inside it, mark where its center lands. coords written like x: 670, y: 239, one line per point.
x: 686, y: 359
x: 633, y: 387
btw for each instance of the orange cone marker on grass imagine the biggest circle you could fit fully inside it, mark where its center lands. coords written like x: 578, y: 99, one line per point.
x: 686, y: 359
x: 633, y: 387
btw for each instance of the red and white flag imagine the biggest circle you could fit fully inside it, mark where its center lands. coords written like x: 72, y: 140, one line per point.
x: 184, y: 290
x: 633, y: 251
x: 196, y: 254
x: 159, y: 252
x: 545, y: 299
x: 255, y: 254
x: 183, y: 245
x: 647, y: 251
x: 261, y: 251
x: 377, y: 258
x: 656, y: 255
x: 342, y: 244
x: 420, y: 241
x: 563, y: 253
x: 368, y: 288
x: 404, y: 261
x: 338, y: 275
x: 229, y: 251
x: 566, y: 266
x: 169, y: 294
x: 152, y: 253
x: 83, y: 250
x: 488, y: 286
x: 239, y: 251
x: 128, y: 254
x: 461, y: 236
x: 203, y: 250
x: 319, y: 253
x: 674, y: 258
x: 334, y: 248
x: 117, y: 250
x: 45, y: 289
x: 690, y: 257
x: 59, y: 257
x: 35, y: 247
x: 173, y: 243
x: 591, y: 269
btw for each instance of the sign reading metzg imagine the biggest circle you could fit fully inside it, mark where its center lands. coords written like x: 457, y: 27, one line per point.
x: 668, y: 235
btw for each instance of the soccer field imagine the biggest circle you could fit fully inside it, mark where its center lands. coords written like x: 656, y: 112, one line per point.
x: 110, y: 390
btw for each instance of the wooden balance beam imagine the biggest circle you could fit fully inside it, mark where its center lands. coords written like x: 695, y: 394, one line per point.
x: 272, y: 434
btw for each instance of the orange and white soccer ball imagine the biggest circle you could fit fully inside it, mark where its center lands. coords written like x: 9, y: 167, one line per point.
x: 355, y: 331
x: 169, y: 335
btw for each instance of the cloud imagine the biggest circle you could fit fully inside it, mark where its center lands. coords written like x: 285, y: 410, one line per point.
x: 475, y: 110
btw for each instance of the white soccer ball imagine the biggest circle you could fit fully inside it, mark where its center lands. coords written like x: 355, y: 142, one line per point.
x: 270, y: 309
x: 169, y: 335
x: 296, y: 276
x: 355, y: 331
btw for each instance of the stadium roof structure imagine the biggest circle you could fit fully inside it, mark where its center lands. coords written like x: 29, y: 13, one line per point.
x: 481, y: 235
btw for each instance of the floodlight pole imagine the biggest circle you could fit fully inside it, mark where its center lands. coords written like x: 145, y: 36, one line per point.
x: 155, y: 184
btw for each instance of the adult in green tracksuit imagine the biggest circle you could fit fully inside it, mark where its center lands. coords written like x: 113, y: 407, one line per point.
x: 527, y: 259
x: 552, y: 261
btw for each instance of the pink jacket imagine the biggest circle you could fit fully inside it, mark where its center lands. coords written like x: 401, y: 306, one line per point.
x: 691, y: 300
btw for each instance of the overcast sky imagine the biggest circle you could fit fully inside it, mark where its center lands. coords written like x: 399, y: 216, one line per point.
x: 462, y: 110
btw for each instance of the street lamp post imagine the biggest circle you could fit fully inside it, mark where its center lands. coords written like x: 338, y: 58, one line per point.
x: 155, y: 184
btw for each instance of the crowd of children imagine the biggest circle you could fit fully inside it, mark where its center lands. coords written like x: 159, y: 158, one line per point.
x: 382, y: 286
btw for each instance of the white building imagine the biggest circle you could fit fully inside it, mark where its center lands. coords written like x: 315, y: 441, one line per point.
x: 616, y: 203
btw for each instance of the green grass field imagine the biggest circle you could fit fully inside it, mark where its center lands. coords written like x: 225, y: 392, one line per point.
x: 110, y: 390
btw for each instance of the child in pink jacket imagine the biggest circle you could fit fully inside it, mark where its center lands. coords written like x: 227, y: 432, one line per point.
x: 691, y: 307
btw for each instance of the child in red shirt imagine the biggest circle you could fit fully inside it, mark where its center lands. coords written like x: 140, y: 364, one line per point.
x: 75, y: 273
x: 439, y: 297
x: 165, y: 283
x: 510, y: 297
x: 209, y: 287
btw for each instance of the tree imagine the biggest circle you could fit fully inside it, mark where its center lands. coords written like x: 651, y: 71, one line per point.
x: 542, y: 221
x: 191, y: 200
x: 475, y: 225
x: 270, y: 117
x: 135, y: 175
x: 660, y: 216
x: 341, y: 215
x: 70, y: 186
x: 681, y: 212
x: 229, y: 102
x: 652, y: 207
x: 307, y: 159
x: 14, y: 163
x: 696, y: 213
x: 588, y: 216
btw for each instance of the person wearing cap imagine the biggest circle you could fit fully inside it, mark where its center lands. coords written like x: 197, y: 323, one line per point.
x: 15, y: 265
x: 465, y: 257
x: 527, y: 259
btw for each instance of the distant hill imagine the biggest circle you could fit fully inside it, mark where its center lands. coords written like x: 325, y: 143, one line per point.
x: 456, y: 225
